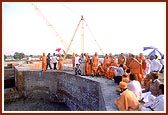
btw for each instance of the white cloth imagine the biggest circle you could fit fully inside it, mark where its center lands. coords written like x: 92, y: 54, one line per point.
x: 77, y: 60
x: 156, y: 105
x: 82, y: 66
x: 29, y: 58
x: 155, y: 65
x: 147, y: 69
x: 135, y: 87
x: 148, y: 97
x: 162, y: 61
x: 118, y: 71
x: 54, y: 59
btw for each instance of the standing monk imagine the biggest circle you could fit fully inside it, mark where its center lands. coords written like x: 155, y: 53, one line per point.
x: 128, y: 59
x: 106, y: 63
x: 88, y: 65
x: 136, y: 68
x: 73, y: 60
x: 144, y: 65
x: 111, y: 58
x: 44, y: 59
x: 121, y: 59
x: 95, y: 60
x: 60, y: 62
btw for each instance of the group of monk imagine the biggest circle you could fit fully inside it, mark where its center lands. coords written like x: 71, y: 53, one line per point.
x: 136, y: 64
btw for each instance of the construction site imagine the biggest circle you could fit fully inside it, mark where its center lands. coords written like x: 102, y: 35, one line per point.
x: 28, y: 88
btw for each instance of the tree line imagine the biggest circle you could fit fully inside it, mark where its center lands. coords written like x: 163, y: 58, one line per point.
x: 19, y: 56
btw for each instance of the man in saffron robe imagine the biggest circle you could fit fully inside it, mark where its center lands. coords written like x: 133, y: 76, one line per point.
x: 127, y: 101
x: 73, y: 60
x: 100, y: 70
x: 44, y: 62
x: 143, y: 66
x: 111, y: 58
x: 88, y: 65
x: 121, y: 59
x: 136, y: 68
x: 110, y: 73
x: 95, y: 64
x: 128, y: 59
x: 106, y: 63
x: 60, y: 62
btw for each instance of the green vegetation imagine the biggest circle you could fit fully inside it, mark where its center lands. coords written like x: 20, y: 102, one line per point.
x: 18, y: 55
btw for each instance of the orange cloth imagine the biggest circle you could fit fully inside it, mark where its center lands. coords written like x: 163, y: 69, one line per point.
x: 73, y: 60
x: 95, y: 65
x: 123, y: 85
x: 44, y: 59
x: 125, y: 79
x: 121, y: 59
x: 136, y: 69
x: 127, y: 61
x: 110, y: 73
x: 143, y: 68
x: 127, y: 101
x: 106, y: 63
x: 88, y: 66
x: 112, y: 59
x: 100, y: 70
x: 114, y: 64
x: 60, y: 63
x: 125, y: 67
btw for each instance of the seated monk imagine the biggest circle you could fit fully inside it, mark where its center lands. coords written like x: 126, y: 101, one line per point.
x: 100, y: 70
x: 110, y: 73
x: 125, y: 76
x: 127, y: 101
x: 118, y: 89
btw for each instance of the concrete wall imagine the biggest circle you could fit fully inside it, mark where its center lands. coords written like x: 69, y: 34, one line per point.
x: 8, y: 72
x: 77, y: 92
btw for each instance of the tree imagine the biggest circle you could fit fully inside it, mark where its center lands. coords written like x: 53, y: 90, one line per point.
x: 5, y: 57
x: 18, y: 55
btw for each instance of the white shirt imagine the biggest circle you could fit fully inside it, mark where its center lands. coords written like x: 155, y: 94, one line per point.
x: 77, y: 60
x: 54, y: 59
x: 155, y: 65
x: 135, y: 87
x: 156, y: 105
x: 119, y: 71
x: 162, y: 61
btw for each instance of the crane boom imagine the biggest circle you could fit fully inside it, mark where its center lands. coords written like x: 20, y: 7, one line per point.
x: 50, y: 25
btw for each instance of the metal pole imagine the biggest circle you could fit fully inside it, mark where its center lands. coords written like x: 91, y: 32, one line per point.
x: 82, y: 35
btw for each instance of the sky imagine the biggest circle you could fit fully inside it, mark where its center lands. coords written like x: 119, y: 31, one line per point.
x: 114, y: 27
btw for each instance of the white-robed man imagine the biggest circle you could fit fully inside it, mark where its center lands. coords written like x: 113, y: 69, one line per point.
x: 158, y: 103
x: 135, y: 87
x: 82, y: 64
x: 154, y: 64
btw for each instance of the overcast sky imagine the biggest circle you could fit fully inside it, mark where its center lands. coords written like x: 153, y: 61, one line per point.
x: 117, y: 27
